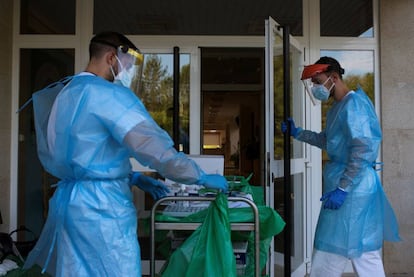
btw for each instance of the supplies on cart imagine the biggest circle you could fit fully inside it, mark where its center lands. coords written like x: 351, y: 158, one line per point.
x: 208, y: 251
x: 182, y: 244
x: 240, y: 253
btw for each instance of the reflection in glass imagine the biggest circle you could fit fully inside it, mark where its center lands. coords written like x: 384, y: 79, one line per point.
x: 296, y: 206
x: 278, y: 97
x: 231, y: 96
x: 214, y: 17
x: 47, y: 17
x: 156, y: 93
x: 353, y: 18
x: 296, y: 98
x: 359, y: 71
x: 38, y: 68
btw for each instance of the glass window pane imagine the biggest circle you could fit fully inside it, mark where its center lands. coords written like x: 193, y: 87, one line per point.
x: 278, y: 103
x: 296, y: 100
x: 297, y: 216
x: 38, y: 68
x: 184, y: 115
x: 359, y: 71
x: 157, y: 93
x: 47, y: 17
x: 231, y: 102
x: 353, y: 18
x: 215, y: 17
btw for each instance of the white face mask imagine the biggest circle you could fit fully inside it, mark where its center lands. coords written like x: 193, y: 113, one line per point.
x: 124, y: 76
x: 320, y: 92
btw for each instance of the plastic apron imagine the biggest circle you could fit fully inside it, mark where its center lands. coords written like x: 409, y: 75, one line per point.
x: 91, y: 229
x: 352, y: 138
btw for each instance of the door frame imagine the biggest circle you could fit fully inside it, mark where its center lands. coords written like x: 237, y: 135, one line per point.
x: 275, y: 168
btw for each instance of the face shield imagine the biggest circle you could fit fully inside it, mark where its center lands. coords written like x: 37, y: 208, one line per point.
x: 130, y: 63
x: 308, y: 73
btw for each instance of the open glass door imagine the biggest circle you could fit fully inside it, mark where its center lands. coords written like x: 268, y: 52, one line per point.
x: 274, y: 143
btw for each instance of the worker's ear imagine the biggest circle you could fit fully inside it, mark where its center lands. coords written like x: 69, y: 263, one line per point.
x: 110, y: 58
x: 335, y: 76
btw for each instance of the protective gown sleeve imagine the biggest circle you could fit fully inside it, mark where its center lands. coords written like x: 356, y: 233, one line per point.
x: 356, y: 163
x: 153, y: 147
x: 364, y: 144
x: 313, y: 138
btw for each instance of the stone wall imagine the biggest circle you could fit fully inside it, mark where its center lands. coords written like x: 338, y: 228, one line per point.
x: 397, y: 98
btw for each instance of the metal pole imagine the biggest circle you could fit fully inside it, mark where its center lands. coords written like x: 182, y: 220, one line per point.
x: 176, y: 98
x: 286, y: 145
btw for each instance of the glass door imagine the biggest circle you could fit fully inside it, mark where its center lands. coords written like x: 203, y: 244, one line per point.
x: 38, y: 67
x: 294, y: 205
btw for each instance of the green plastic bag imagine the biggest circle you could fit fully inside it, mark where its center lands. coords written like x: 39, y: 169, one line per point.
x: 208, y: 251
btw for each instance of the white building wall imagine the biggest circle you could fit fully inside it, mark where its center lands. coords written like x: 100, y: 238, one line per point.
x: 397, y: 98
x: 6, y: 19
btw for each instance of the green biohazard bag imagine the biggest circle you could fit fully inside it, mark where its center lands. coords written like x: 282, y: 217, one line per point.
x: 208, y: 251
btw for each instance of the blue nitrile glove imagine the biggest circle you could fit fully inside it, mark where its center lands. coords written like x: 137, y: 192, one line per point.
x: 334, y: 199
x: 294, y: 131
x: 154, y: 187
x: 214, y: 181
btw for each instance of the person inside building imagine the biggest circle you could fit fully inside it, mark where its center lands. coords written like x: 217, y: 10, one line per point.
x: 87, y: 127
x: 355, y: 216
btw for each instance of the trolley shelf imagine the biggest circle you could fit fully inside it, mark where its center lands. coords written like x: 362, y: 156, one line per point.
x: 235, y: 226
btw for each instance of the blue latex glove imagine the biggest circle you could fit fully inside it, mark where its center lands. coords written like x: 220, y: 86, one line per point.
x: 214, y: 181
x: 334, y: 199
x: 154, y: 187
x: 294, y: 131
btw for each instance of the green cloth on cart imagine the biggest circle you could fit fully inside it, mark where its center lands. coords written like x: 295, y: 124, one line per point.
x: 270, y: 224
x: 34, y: 271
x: 208, y: 251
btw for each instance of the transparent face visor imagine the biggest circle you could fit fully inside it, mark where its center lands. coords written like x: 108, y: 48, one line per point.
x: 309, y: 72
x: 130, y: 64
x: 308, y: 88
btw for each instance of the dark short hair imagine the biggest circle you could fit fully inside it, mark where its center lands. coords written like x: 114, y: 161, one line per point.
x: 334, y: 65
x: 107, y: 41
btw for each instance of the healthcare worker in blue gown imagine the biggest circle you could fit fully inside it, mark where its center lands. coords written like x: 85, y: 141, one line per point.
x: 355, y: 216
x: 88, y: 126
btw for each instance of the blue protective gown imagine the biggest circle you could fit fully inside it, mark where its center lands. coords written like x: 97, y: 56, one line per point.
x: 86, y: 140
x: 352, y: 139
